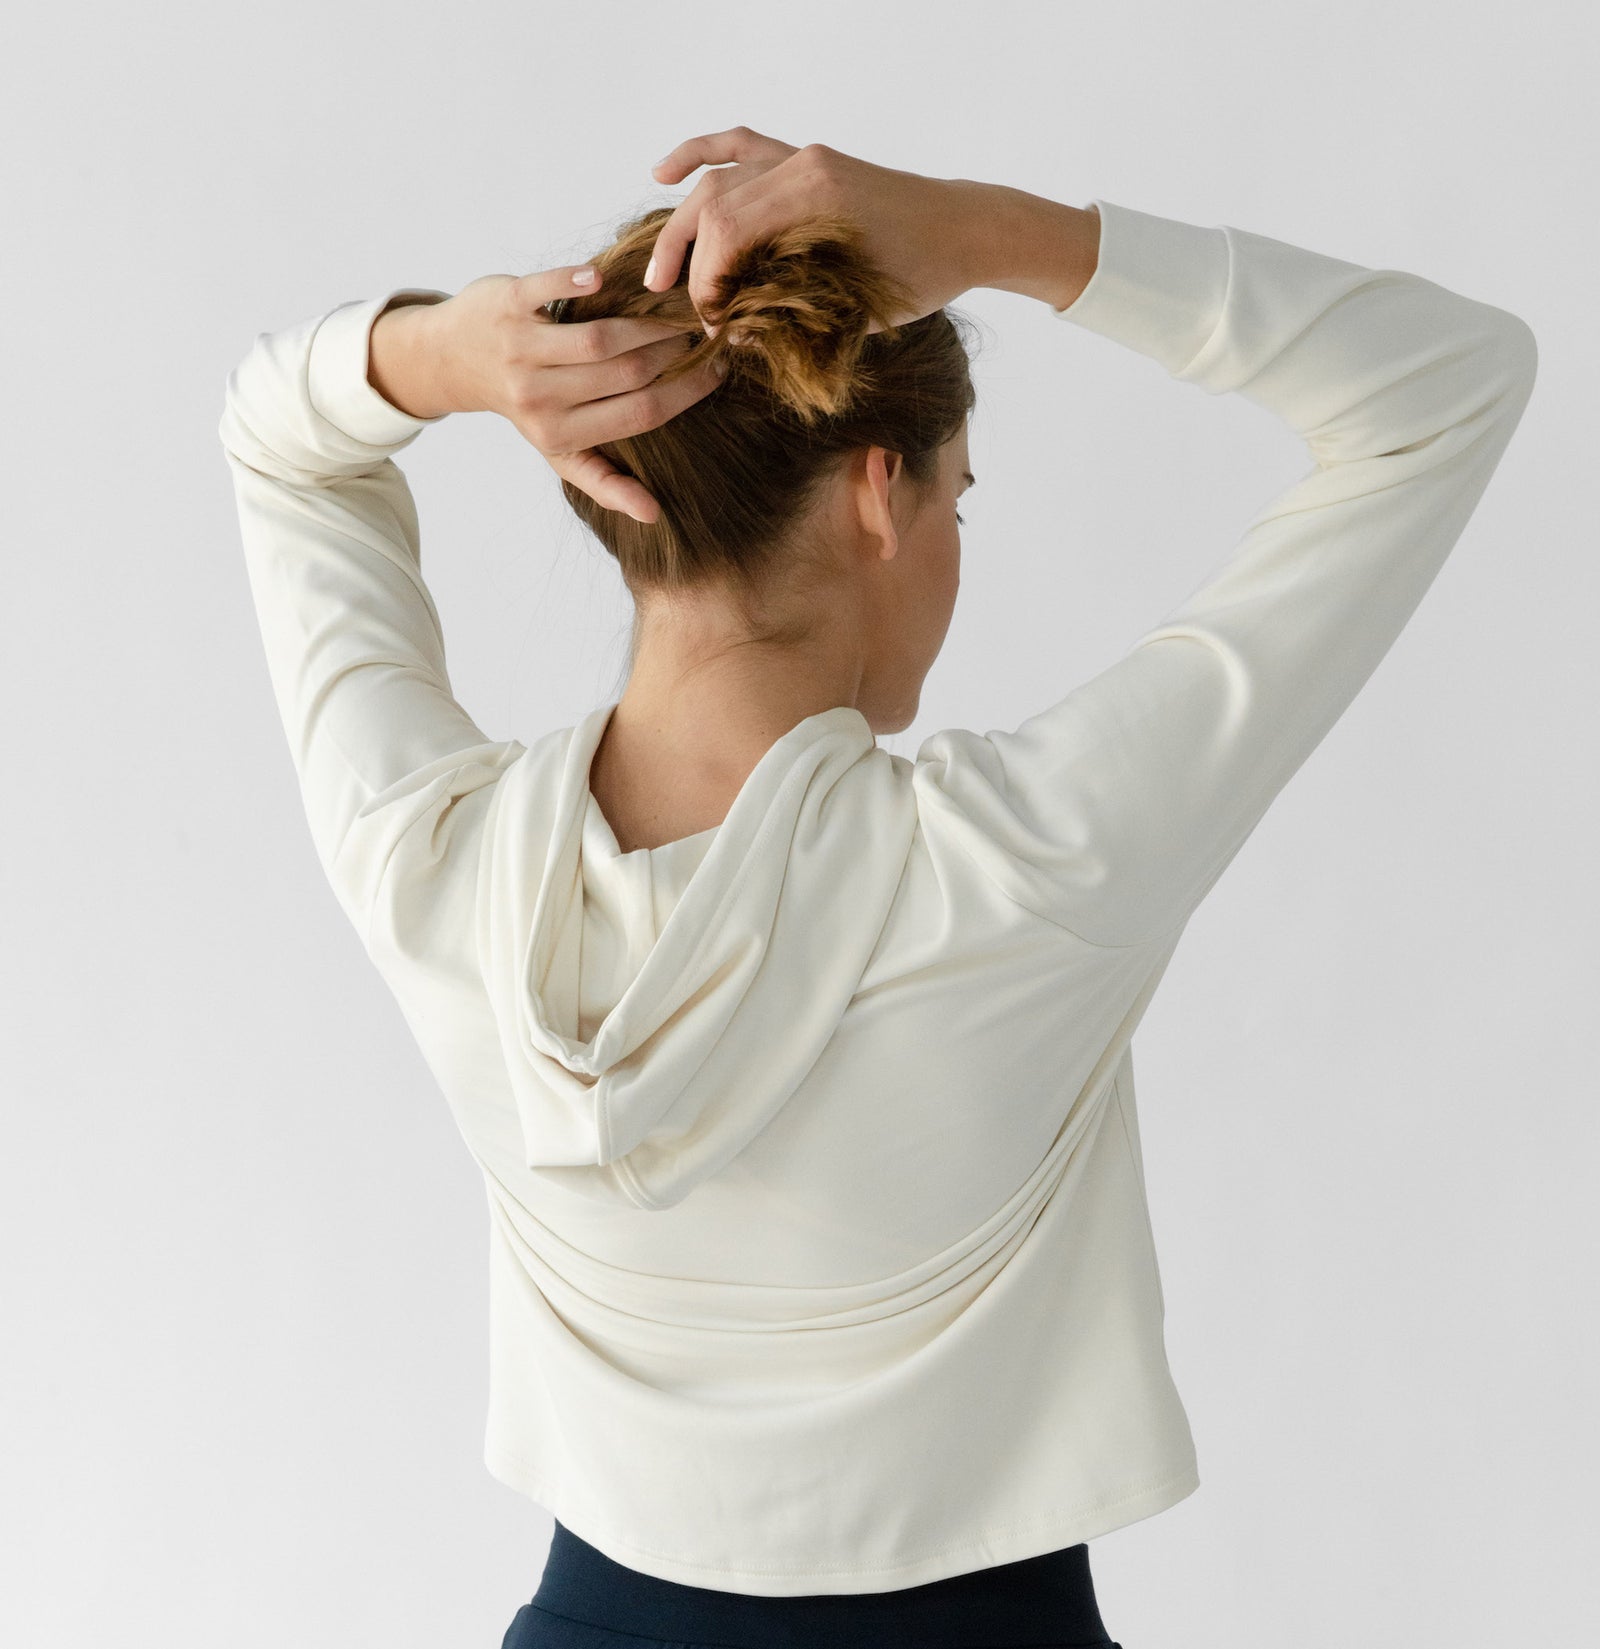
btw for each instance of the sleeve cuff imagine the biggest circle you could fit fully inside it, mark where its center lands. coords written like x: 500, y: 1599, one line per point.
x: 337, y: 373
x: 1158, y: 286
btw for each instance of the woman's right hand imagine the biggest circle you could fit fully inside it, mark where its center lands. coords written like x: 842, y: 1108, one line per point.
x: 922, y: 232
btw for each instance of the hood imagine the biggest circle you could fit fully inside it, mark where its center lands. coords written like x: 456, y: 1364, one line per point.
x: 738, y: 993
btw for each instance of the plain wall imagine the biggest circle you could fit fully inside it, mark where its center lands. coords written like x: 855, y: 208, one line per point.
x: 244, y: 1293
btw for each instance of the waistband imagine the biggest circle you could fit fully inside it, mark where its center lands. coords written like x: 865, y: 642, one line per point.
x: 1043, y: 1600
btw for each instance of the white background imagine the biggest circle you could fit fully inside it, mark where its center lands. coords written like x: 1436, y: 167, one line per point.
x: 244, y: 1290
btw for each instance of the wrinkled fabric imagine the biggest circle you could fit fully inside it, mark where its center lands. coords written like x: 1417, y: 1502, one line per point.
x: 819, y: 1253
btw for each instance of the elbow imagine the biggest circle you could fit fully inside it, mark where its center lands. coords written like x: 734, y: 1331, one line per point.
x: 1526, y: 349
x: 1515, y: 351
x: 1504, y: 361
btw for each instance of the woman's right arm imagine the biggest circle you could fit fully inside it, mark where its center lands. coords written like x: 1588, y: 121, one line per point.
x: 1114, y: 811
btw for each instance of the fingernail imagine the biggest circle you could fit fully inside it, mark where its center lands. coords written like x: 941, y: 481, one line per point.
x: 649, y: 271
x: 582, y: 277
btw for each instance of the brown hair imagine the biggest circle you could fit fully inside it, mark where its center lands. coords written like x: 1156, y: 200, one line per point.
x: 807, y: 384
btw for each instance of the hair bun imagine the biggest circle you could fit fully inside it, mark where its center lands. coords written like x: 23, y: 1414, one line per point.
x: 738, y: 472
x: 794, y: 309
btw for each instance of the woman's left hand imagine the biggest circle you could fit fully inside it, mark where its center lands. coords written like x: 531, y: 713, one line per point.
x: 566, y: 387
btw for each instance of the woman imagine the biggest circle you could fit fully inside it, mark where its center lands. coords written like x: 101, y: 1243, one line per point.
x: 824, y: 1303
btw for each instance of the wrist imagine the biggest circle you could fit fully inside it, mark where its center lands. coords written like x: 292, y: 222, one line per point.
x: 404, y: 362
x: 1037, y: 247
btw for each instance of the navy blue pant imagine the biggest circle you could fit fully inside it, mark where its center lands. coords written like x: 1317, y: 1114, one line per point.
x: 586, y: 1600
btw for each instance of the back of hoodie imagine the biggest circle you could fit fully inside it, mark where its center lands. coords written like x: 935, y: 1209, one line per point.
x: 820, y: 1258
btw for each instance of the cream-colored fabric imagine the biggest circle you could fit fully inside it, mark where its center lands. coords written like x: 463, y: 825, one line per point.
x: 820, y: 1258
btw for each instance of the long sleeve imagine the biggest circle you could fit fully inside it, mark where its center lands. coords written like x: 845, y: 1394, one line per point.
x: 382, y: 751
x: 1114, y: 811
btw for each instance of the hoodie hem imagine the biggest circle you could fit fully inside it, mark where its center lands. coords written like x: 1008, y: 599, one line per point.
x: 984, y: 1548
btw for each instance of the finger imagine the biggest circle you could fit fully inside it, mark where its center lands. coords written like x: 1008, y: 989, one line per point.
x: 577, y: 342
x: 634, y: 369
x: 759, y: 156
x: 531, y: 292
x: 593, y: 473
x: 618, y: 416
x: 726, y: 211
x: 675, y: 235
x: 569, y: 387
x: 717, y: 149
x: 739, y: 218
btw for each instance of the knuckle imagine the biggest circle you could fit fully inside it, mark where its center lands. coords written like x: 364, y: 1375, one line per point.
x: 819, y: 171
x: 519, y: 397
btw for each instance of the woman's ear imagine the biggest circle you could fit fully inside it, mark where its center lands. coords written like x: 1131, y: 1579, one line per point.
x: 879, y: 493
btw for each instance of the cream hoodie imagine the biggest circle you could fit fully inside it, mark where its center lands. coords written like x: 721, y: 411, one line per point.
x: 819, y: 1252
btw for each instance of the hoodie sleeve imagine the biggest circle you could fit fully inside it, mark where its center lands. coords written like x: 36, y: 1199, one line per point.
x: 382, y: 751
x: 1113, y: 812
